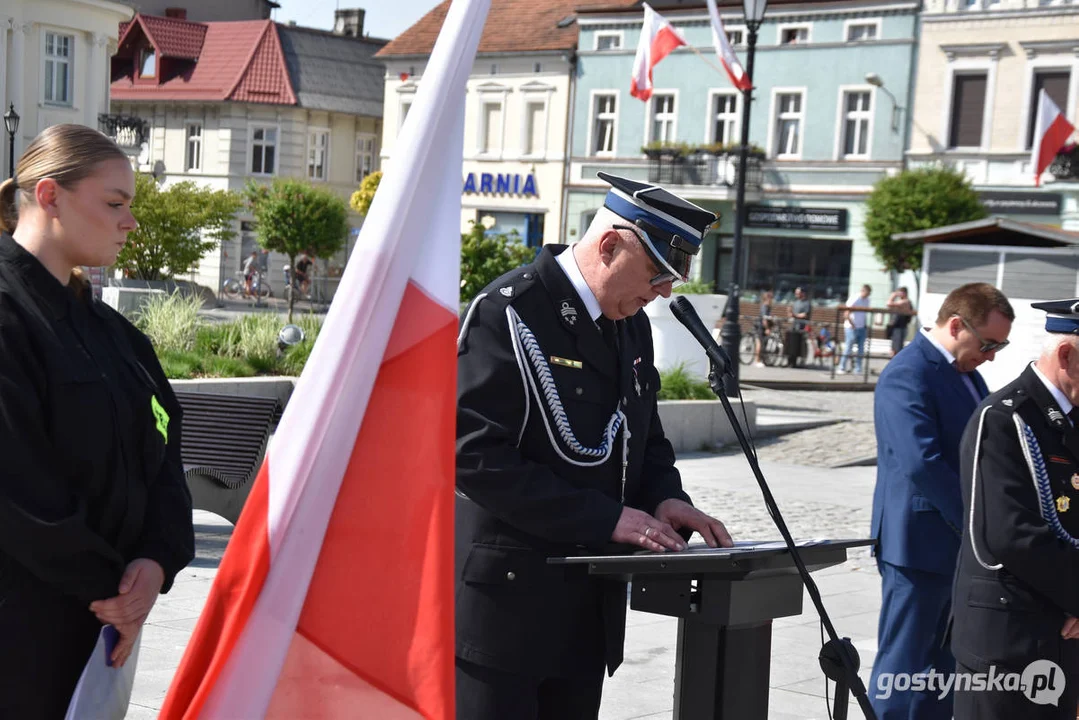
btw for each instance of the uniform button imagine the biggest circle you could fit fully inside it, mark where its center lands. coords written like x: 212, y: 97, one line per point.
x: 1004, y: 601
x: 580, y: 391
x: 527, y: 276
x: 511, y: 575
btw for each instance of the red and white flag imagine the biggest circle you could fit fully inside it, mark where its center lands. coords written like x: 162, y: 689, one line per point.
x: 658, y: 39
x: 738, y: 75
x: 1051, y: 132
x: 335, y: 596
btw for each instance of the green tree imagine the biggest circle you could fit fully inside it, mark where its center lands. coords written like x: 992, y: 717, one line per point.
x: 361, y: 199
x: 486, y: 257
x: 913, y: 200
x: 293, y: 217
x: 177, y: 226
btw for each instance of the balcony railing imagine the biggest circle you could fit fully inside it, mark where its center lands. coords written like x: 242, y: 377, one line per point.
x: 702, y: 168
x: 127, y: 131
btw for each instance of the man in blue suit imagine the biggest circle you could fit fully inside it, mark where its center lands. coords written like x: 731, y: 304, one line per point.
x: 923, y: 400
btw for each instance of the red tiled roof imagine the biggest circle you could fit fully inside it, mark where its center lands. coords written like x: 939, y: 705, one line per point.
x: 512, y: 26
x: 172, y: 37
x: 240, y: 61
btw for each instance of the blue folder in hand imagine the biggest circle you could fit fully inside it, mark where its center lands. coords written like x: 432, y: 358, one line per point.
x: 104, y: 691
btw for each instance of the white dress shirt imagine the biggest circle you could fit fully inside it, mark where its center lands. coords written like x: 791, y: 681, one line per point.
x: 568, y: 263
x: 950, y: 359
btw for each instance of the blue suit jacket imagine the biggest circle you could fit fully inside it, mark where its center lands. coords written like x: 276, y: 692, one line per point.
x: 921, y: 407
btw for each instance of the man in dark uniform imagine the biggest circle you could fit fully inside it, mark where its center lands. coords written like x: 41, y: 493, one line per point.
x: 1016, y: 590
x: 559, y: 451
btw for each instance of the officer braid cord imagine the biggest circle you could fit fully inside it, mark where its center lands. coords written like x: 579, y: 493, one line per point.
x: 525, y: 344
x: 839, y: 655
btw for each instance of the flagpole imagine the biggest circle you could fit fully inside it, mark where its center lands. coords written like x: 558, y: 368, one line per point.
x: 711, y: 64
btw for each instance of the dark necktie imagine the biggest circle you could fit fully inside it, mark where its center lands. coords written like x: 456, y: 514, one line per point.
x: 1074, y: 416
x: 609, y: 331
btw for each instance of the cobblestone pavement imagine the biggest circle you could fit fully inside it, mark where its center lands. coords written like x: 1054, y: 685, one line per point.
x: 851, y: 439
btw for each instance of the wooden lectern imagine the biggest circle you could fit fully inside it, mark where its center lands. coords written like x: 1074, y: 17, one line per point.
x: 725, y: 600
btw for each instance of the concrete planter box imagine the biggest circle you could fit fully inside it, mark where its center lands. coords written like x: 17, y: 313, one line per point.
x: 673, y: 343
x: 695, y: 425
x: 127, y: 301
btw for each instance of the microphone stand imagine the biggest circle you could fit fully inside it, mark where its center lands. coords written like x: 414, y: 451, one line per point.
x: 838, y: 658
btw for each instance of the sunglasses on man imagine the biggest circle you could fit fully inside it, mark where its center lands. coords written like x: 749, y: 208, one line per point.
x: 672, y: 264
x: 987, y: 346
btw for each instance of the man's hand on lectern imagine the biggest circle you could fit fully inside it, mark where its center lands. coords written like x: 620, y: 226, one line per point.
x: 636, y: 527
x: 679, y: 514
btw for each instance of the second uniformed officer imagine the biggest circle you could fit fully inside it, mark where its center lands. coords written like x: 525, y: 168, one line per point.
x: 559, y: 447
x: 1016, y: 590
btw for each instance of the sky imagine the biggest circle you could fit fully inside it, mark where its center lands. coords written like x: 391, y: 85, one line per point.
x: 384, y: 18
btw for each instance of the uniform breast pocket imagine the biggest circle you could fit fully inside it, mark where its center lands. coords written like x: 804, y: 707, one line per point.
x: 81, y: 417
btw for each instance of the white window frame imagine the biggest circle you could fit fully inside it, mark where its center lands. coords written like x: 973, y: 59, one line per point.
x: 969, y: 66
x: 1047, y: 62
x: 406, y: 95
x: 780, y: 29
x: 841, y: 122
x: 649, y: 115
x: 358, y: 166
x: 773, y: 122
x: 848, y: 24
x: 309, y: 162
x: 710, y: 116
x: 199, y: 140
x: 531, y: 97
x: 491, y: 94
x: 593, y: 96
x: 251, y: 128
x: 609, y: 34
x: 68, y: 63
x: 739, y: 29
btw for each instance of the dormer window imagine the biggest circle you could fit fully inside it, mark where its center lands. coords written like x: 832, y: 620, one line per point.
x: 147, y: 63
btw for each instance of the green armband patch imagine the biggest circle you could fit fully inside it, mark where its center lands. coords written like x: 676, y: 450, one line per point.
x: 161, y: 417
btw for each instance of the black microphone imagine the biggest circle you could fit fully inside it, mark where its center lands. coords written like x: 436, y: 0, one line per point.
x: 683, y: 310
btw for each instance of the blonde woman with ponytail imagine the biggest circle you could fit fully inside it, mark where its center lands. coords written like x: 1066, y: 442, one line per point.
x: 95, y: 516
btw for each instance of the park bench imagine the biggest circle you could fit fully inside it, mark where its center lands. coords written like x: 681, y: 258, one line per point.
x: 224, y: 442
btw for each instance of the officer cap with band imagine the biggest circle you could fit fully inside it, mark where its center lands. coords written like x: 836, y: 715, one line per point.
x: 1062, y: 316
x: 670, y: 228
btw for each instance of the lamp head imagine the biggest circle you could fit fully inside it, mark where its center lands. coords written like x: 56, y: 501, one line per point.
x: 754, y: 10
x: 874, y: 79
x: 11, y: 120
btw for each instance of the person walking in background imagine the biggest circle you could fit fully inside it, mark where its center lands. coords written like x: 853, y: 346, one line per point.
x: 897, y: 328
x: 801, y: 309
x: 250, y: 267
x: 95, y: 514
x: 855, y: 325
x: 921, y: 404
x: 764, y: 327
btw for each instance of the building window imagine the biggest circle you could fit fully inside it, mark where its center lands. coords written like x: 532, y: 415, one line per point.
x: 147, y: 63
x: 318, y: 146
x: 793, y: 34
x: 490, y: 126
x: 736, y: 37
x: 406, y: 105
x: 494, y: 69
x: 861, y: 32
x: 538, y: 68
x: 781, y: 264
x: 535, y: 134
x: 604, y: 116
x: 58, y: 54
x: 725, y: 118
x: 193, y: 156
x: 856, y: 114
x: 788, y: 126
x: 608, y: 41
x: 663, y: 117
x: 263, y: 150
x: 1055, y: 83
x: 968, y: 110
x: 365, y: 156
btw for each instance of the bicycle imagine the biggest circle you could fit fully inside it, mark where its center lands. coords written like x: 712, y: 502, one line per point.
x: 314, y: 294
x: 235, y: 287
x: 771, y: 347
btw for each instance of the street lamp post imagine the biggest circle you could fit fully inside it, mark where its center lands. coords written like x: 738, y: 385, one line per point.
x: 731, y: 335
x: 11, y: 124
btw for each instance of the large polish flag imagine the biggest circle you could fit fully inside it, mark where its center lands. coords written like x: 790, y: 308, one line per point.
x: 658, y: 39
x: 335, y: 596
x: 1051, y: 131
x: 738, y: 75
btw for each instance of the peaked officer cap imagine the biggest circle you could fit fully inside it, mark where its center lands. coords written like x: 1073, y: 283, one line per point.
x: 1062, y: 316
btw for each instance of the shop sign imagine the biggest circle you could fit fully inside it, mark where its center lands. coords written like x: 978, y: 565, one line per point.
x: 797, y: 218
x: 1000, y: 202
x: 500, y: 184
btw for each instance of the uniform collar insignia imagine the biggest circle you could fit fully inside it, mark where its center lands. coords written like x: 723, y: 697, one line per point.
x: 506, y: 291
x: 569, y: 312
x: 1007, y: 402
x: 1055, y: 416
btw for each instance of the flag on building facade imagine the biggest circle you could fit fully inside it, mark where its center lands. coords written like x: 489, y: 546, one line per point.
x: 739, y: 78
x: 658, y: 39
x: 335, y: 595
x: 1051, y: 132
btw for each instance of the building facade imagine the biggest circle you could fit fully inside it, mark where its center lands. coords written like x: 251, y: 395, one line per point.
x: 981, y: 67
x: 516, y: 114
x: 824, y: 133
x: 224, y: 103
x: 55, y: 62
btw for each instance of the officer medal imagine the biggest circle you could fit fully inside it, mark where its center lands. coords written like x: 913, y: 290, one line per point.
x: 1063, y: 503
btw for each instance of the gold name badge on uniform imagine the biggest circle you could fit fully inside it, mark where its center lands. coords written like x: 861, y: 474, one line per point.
x: 161, y: 418
x: 1063, y: 503
x: 577, y: 364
